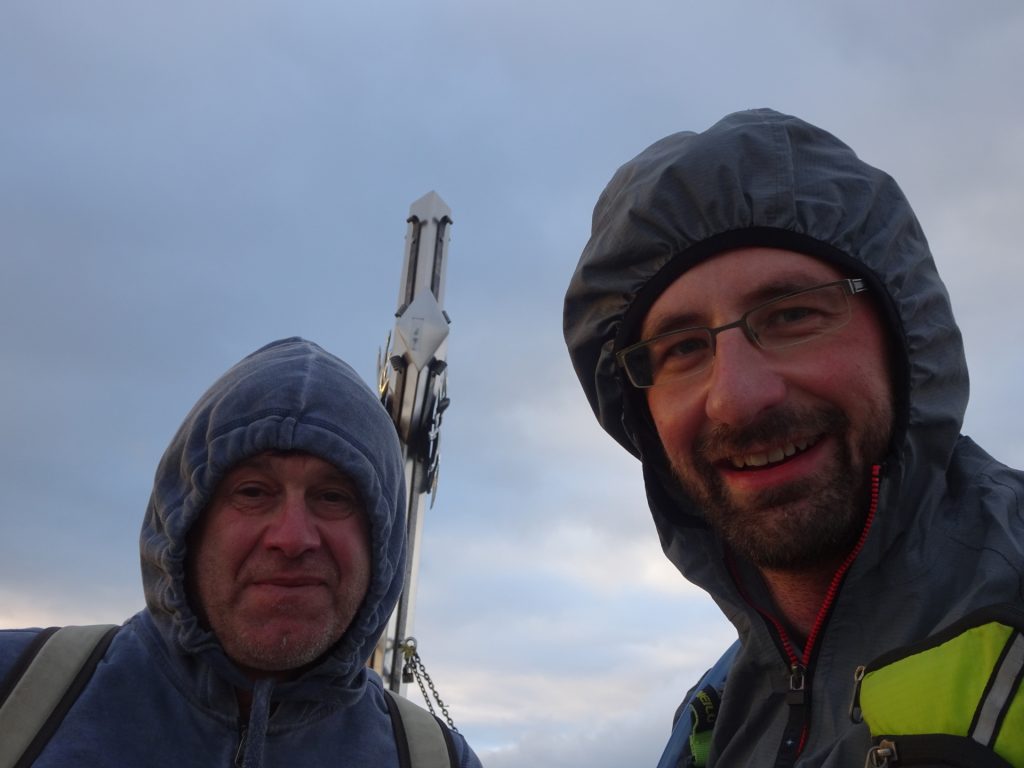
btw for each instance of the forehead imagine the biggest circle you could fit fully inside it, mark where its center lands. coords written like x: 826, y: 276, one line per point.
x: 296, y: 465
x: 720, y: 289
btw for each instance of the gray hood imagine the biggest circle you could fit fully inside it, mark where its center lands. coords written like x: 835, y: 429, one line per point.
x: 760, y: 178
x: 289, y: 395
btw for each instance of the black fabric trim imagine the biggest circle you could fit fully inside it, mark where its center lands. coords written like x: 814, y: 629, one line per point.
x: 401, y: 740
x: 1002, y: 613
x: 940, y: 750
x: 449, y: 742
x: 74, y: 690
x: 23, y: 662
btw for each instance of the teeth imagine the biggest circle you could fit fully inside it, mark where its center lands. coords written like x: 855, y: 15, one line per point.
x: 772, y: 456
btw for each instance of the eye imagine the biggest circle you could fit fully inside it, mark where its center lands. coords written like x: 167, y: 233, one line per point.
x: 337, y: 497
x: 250, y: 497
x: 251, y: 491
x: 679, y: 352
x: 799, y: 317
x: 688, y: 345
x: 788, y: 323
x: 789, y: 315
x: 335, y: 502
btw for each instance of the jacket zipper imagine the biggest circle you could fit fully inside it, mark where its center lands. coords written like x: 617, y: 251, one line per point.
x: 243, y: 734
x: 794, y: 735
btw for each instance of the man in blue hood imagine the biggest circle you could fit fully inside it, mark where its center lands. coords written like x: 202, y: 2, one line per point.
x: 758, y: 319
x: 273, y: 551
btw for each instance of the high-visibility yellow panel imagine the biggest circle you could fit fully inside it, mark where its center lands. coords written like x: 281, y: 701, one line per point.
x: 935, y: 691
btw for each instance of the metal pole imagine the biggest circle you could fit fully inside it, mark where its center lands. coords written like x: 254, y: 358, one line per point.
x: 413, y: 384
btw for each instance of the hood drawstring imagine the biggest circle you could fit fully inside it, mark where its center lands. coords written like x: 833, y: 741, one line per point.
x: 259, y: 716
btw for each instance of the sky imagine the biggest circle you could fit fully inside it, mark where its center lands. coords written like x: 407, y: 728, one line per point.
x: 183, y: 182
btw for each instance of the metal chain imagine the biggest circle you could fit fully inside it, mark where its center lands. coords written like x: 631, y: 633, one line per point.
x: 414, y: 669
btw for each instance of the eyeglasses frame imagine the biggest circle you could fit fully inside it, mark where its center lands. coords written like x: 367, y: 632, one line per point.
x: 851, y: 286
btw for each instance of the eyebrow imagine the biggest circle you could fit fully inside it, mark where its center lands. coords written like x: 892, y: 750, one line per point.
x: 778, y: 286
x: 258, y: 461
x: 263, y: 462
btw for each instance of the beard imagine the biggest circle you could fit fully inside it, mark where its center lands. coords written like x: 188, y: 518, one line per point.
x: 802, y: 525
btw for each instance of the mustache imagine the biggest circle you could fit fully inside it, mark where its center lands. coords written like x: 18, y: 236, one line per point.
x: 771, y: 428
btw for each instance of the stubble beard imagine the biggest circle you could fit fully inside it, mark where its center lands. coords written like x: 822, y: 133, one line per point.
x: 803, y: 525
x: 288, y: 637
x: 283, y: 651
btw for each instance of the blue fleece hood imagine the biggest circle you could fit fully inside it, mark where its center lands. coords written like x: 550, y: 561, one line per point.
x: 290, y: 395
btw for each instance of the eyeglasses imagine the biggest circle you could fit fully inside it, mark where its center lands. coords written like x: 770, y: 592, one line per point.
x: 789, y: 320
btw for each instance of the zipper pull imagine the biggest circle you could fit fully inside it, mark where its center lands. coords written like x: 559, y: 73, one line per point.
x: 855, y: 713
x: 797, y: 681
x: 879, y: 757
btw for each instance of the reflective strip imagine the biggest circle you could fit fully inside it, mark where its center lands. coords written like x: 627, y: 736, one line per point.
x: 1003, y: 687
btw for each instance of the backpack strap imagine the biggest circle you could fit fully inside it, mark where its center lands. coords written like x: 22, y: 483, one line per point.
x: 41, y: 687
x: 690, y: 742
x: 422, y: 740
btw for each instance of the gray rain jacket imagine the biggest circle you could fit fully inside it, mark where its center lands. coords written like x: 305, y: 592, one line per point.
x: 164, y: 694
x: 948, y: 534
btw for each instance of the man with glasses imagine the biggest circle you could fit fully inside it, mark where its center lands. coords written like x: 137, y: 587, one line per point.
x: 758, y: 319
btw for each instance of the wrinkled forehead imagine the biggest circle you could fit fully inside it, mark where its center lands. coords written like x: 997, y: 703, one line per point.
x: 300, y: 463
x: 724, y: 286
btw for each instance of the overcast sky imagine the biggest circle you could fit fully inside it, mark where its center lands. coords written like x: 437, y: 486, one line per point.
x: 183, y: 182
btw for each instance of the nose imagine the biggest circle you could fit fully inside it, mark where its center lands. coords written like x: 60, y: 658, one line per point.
x: 292, y: 530
x: 743, y: 383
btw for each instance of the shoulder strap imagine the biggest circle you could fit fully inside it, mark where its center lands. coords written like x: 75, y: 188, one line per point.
x: 422, y: 740
x: 691, y: 731
x: 42, y: 686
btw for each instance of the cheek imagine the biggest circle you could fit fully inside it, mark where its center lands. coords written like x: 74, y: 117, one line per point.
x: 204, y: 579
x: 869, y: 363
x: 349, y: 543
x: 216, y: 558
x: 859, y: 384
x: 676, y: 419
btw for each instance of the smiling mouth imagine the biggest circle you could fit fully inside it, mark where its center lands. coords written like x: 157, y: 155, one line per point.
x: 772, y: 456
